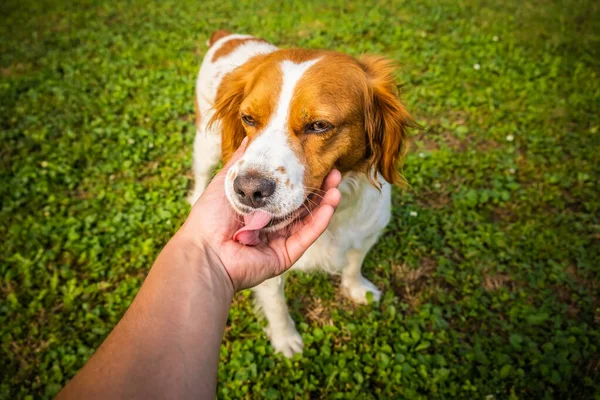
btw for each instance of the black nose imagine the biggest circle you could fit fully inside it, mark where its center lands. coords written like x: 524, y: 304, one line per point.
x: 253, y: 190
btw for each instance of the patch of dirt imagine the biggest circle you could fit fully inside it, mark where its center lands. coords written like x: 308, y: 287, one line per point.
x: 493, y: 282
x: 505, y: 214
x: 432, y: 138
x: 564, y: 295
x: 424, y: 142
x: 486, y: 145
x: 13, y: 70
x: 434, y: 199
x: 189, y: 117
x: 318, y: 313
x: 412, y: 285
x: 81, y: 194
x: 591, y: 286
x: 593, y: 367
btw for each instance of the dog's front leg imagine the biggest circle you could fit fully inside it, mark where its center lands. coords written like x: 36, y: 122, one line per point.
x: 354, y: 284
x: 281, y: 329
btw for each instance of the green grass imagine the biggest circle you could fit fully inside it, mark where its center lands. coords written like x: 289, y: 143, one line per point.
x: 490, y: 266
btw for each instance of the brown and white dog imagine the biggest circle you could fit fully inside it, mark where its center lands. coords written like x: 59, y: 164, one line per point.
x: 304, y: 112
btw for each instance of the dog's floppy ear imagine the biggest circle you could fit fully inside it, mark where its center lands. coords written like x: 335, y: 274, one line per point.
x: 386, y: 121
x: 230, y: 95
x: 232, y: 91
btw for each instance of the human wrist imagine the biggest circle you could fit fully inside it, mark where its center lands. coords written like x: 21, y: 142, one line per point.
x: 206, y: 264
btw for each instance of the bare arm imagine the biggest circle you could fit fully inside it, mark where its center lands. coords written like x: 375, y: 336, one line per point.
x: 167, y: 344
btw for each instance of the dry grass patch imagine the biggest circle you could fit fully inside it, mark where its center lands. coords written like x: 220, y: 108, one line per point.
x: 412, y: 285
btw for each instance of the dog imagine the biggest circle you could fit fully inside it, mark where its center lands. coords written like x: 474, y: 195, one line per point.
x: 305, y: 112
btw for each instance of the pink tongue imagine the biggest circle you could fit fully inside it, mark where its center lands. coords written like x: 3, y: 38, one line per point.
x: 254, y: 222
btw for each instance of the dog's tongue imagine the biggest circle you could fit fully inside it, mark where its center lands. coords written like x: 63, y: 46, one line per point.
x: 254, y: 222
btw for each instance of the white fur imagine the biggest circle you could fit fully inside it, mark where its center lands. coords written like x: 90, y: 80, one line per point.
x: 358, y: 222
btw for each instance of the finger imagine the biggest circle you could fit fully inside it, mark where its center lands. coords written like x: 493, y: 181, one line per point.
x: 236, y: 156
x: 216, y: 184
x: 332, y: 180
x: 314, y: 226
x: 299, y: 242
x: 332, y: 197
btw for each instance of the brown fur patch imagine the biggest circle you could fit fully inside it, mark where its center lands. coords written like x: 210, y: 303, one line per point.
x: 281, y: 169
x: 229, y: 46
x: 218, y: 35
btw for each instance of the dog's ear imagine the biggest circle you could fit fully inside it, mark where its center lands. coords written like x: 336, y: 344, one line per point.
x: 386, y: 121
x: 230, y: 95
x: 232, y: 91
x: 221, y: 33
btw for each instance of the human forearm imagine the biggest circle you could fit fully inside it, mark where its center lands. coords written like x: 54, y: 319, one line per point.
x: 167, y: 345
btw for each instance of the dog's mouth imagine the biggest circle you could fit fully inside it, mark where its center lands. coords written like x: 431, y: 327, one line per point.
x: 260, y: 220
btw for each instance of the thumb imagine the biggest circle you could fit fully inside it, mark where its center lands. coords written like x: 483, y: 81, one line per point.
x: 237, y: 155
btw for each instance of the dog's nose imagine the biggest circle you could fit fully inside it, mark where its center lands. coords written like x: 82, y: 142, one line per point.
x: 253, y: 190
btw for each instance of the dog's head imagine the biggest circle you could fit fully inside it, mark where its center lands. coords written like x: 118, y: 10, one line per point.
x: 305, y: 113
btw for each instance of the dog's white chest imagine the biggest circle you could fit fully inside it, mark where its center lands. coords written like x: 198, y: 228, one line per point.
x: 362, y: 215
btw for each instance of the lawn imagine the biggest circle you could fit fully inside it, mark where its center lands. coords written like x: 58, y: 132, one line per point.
x: 490, y: 266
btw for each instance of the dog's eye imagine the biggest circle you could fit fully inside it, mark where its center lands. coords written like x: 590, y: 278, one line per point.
x: 248, y: 120
x: 318, y: 127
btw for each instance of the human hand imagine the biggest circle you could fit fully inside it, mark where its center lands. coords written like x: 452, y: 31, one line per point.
x: 212, y: 224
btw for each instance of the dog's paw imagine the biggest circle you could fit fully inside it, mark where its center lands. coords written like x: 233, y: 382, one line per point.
x: 287, y: 343
x: 357, y: 291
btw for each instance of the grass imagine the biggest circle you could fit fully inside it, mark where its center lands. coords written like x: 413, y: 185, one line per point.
x: 490, y: 266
